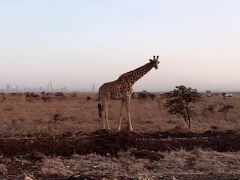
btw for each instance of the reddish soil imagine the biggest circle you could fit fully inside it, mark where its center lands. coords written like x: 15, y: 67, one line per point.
x: 103, y: 143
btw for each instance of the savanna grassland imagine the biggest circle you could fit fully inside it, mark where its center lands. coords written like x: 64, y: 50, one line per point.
x: 59, y: 136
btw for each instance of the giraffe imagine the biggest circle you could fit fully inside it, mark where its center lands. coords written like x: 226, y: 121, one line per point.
x: 121, y: 89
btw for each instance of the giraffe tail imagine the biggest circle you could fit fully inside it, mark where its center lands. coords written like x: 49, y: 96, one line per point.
x: 99, y: 105
x: 99, y: 110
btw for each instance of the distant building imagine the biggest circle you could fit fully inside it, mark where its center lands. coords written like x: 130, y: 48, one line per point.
x: 64, y: 89
x: 208, y: 93
x: 27, y: 89
x: 50, y: 87
x: 8, y: 87
x: 11, y: 88
x: 14, y: 88
x: 40, y: 89
x: 93, y: 88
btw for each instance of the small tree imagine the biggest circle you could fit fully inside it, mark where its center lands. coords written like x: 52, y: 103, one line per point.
x: 180, y: 100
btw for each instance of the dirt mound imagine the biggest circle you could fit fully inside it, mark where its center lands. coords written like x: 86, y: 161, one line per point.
x: 150, y: 155
x: 104, y: 143
x: 178, y: 130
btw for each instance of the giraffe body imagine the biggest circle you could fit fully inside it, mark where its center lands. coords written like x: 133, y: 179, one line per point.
x: 121, y: 89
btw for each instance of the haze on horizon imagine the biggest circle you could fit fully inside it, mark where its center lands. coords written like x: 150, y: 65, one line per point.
x: 78, y: 43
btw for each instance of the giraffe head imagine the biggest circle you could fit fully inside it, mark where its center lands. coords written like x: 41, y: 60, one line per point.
x: 154, y: 61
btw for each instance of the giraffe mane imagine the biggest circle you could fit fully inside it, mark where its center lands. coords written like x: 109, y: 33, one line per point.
x: 130, y: 72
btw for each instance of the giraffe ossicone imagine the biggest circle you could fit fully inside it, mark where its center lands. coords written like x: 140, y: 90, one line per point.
x: 121, y: 89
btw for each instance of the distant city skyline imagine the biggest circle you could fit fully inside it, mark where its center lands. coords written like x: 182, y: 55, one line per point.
x: 50, y: 88
x: 47, y: 88
x: 76, y: 44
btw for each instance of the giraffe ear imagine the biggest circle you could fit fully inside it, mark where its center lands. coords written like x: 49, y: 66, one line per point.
x: 150, y: 60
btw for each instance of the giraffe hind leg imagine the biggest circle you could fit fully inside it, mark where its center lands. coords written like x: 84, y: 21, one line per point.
x: 129, y: 113
x: 100, y: 110
x: 121, y: 114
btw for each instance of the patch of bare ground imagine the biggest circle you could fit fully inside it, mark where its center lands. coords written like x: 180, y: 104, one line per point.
x: 104, y: 143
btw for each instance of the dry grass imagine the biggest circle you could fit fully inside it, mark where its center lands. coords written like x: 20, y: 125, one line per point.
x: 180, y: 163
x: 78, y: 112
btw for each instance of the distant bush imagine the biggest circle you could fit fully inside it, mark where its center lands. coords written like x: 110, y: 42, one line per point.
x: 142, y: 95
x: 209, y: 110
x: 31, y: 96
x: 3, y: 97
x: 151, y: 95
x: 59, y: 94
x: 212, y: 108
x: 74, y: 95
x: 46, y: 98
x: 134, y: 95
x: 56, y: 117
x: 226, y: 108
x: 145, y: 95
x: 88, y: 98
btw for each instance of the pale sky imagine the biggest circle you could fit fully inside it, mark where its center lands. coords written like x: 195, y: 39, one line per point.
x: 76, y: 43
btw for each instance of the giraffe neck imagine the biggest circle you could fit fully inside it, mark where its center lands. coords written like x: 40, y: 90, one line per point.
x: 136, y: 74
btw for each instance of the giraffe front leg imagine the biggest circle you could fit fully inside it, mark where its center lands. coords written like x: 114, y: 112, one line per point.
x: 121, y: 114
x: 128, y: 113
x: 103, y: 114
x: 106, y: 115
